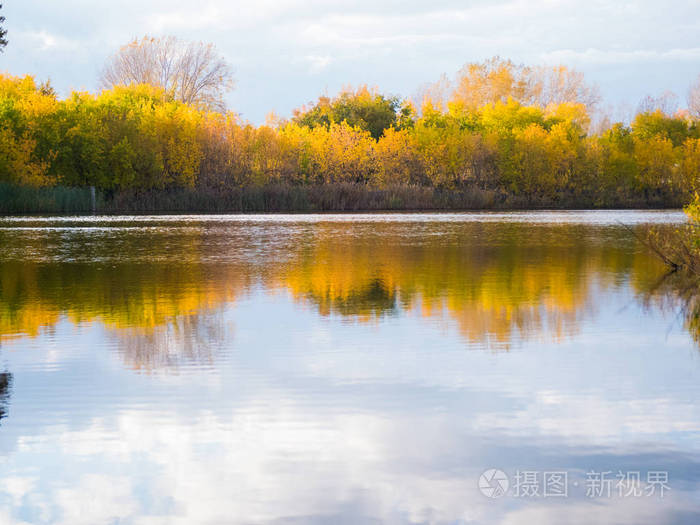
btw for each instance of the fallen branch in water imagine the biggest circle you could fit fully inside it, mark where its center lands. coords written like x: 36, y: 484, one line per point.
x: 677, y: 247
x: 650, y: 240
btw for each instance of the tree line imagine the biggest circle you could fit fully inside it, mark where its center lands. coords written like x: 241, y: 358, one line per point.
x: 508, y: 129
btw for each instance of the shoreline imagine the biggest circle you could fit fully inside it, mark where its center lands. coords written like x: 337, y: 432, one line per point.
x: 330, y: 198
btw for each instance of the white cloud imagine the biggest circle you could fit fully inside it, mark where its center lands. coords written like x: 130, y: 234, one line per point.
x: 317, y: 63
x: 599, y: 56
x: 282, y: 435
x: 286, y: 52
x: 263, y: 463
x: 44, y: 41
x: 176, y: 21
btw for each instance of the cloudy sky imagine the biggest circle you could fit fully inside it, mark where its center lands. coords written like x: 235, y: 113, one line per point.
x: 287, y: 52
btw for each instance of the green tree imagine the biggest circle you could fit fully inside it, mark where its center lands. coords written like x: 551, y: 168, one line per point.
x: 364, y: 108
x: 657, y: 123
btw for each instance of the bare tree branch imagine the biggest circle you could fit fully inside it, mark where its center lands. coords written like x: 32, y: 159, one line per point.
x: 191, y: 72
x: 694, y: 99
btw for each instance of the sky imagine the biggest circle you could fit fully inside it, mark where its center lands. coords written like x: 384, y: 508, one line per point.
x: 285, y: 53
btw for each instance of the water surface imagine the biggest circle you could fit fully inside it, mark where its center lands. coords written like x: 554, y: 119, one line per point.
x: 342, y: 369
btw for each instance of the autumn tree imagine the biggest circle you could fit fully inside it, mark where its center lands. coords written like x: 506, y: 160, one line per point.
x: 22, y: 111
x: 496, y: 80
x: 398, y: 158
x: 658, y: 123
x: 189, y: 72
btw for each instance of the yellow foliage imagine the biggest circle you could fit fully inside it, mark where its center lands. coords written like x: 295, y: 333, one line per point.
x: 17, y: 163
x: 572, y: 113
x: 496, y: 134
x: 17, y: 87
x: 396, y: 152
x: 656, y: 158
x: 690, y: 165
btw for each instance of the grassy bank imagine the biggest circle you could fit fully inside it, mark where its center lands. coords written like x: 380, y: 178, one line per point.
x: 58, y: 199
x: 343, y: 197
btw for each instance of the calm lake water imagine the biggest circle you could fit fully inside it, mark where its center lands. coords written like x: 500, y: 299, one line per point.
x: 345, y: 369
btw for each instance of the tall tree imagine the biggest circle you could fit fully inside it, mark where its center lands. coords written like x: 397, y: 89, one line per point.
x: 694, y: 99
x: 191, y: 72
x: 3, y: 33
x: 666, y: 103
x: 496, y: 79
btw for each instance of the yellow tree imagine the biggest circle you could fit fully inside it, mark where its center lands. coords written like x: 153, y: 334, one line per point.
x: 398, y: 157
x: 497, y: 80
x: 690, y: 165
x: 655, y: 159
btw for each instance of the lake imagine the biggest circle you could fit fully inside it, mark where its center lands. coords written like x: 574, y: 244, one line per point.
x: 516, y: 368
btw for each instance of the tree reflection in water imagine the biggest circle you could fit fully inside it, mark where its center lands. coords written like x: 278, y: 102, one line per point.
x: 5, y: 387
x: 191, y: 339
x: 161, y: 291
x: 680, y: 292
